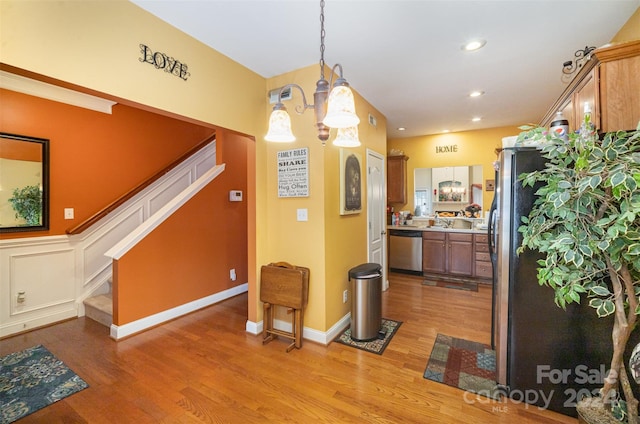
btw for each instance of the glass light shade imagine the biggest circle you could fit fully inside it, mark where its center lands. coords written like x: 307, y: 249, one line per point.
x: 347, y: 137
x: 280, y: 127
x: 341, y: 108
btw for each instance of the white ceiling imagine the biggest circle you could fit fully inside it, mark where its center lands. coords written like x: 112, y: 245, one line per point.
x: 405, y: 57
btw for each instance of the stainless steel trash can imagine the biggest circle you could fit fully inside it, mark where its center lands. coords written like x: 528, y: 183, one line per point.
x: 366, y: 301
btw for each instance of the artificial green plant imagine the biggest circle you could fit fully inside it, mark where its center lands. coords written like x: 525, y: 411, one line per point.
x: 586, y: 221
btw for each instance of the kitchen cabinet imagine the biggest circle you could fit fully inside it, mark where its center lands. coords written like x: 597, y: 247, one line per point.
x: 447, y: 253
x: 610, y: 83
x: 434, y: 252
x: 619, y: 86
x: 397, y: 179
x: 482, y: 261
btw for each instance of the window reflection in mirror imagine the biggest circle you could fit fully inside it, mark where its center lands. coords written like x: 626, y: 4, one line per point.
x: 450, y: 189
x: 24, y: 183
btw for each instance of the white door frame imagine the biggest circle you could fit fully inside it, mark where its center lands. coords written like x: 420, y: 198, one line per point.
x: 381, y: 213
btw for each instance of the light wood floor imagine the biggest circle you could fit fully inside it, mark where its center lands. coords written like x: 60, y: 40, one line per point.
x: 204, y: 368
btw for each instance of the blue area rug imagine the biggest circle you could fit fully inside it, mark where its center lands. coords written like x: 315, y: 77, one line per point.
x: 32, y: 379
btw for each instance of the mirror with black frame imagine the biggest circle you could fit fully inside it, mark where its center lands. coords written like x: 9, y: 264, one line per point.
x: 24, y: 183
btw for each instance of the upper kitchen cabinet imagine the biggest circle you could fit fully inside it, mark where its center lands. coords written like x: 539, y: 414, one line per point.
x: 610, y: 83
x: 619, y: 86
x: 397, y: 179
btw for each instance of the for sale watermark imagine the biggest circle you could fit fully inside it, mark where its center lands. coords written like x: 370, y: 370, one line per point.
x: 569, y: 384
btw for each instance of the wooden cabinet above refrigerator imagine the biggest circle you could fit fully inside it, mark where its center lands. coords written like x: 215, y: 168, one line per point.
x: 610, y: 83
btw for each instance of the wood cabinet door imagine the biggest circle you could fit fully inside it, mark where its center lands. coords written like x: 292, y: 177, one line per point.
x: 567, y: 113
x: 434, y: 248
x: 587, y: 92
x: 397, y: 179
x: 460, y: 254
x: 620, y: 94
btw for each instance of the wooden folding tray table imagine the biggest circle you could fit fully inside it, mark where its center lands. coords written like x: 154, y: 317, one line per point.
x: 283, y: 284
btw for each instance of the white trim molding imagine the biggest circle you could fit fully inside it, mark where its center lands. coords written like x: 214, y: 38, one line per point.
x: 127, y: 243
x: 36, y: 88
x: 120, y: 331
x: 311, y: 334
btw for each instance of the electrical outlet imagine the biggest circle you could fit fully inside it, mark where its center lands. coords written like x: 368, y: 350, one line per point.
x: 345, y: 296
x: 21, y: 298
x: 232, y: 274
x: 68, y: 213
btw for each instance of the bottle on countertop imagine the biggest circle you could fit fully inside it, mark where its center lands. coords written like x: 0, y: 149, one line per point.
x: 587, y: 125
x: 560, y: 126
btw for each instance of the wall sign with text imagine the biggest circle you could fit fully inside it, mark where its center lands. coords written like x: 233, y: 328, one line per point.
x: 293, y: 173
x: 164, y: 61
x: 452, y: 148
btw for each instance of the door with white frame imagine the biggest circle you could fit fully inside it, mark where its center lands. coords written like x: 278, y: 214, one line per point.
x: 376, y: 218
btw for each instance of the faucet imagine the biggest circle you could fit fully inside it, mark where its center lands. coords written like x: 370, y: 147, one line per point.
x: 446, y: 223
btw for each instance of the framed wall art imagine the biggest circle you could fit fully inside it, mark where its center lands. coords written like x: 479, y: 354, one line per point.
x: 350, y: 182
x: 293, y: 173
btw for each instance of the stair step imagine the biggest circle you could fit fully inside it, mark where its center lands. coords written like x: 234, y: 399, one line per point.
x: 100, y: 308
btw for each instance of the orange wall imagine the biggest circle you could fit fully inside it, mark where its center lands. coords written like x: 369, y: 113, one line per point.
x: 189, y: 256
x: 95, y: 157
x: 20, y: 150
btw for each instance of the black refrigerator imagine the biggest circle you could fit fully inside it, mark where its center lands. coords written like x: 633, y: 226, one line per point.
x: 545, y: 356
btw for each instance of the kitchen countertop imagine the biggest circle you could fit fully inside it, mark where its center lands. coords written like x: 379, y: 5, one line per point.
x: 425, y: 228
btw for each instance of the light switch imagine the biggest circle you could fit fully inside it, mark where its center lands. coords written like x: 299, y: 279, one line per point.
x: 68, y: 213
x: 302, y: 215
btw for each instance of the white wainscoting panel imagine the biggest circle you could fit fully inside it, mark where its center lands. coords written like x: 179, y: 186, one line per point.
x: 161, y: 197
x: 99, y: 242
x: 202, y: 166
x: 44, y: 269
x: 43, y: 277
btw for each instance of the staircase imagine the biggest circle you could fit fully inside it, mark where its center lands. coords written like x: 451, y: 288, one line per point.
x: 100, y: 308
x: 153, y: 199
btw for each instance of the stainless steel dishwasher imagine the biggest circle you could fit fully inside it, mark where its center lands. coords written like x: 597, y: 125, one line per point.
x: 405, y: 250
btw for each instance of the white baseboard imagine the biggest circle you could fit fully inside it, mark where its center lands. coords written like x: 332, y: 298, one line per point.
x: 41, y: 321
x: 120, y: 331
x: 254, y: 328
x: 321, y: 337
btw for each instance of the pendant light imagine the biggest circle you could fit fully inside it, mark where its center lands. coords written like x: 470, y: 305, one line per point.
x: 347, y: 137
x: 339, y: 103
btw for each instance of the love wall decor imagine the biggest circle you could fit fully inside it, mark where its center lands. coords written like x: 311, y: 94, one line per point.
x: 164, y: 61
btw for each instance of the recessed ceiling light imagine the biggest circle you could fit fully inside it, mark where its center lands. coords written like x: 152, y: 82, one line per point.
x: 401, y: 128
x: 474, y: 45
x: 476, y: 119
x: 476, y: 93
x: 446, y: 131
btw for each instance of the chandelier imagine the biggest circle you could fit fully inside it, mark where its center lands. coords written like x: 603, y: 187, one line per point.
x: 335, y: 109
